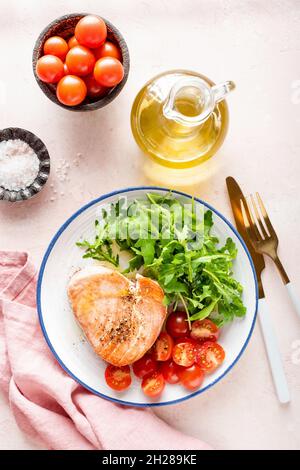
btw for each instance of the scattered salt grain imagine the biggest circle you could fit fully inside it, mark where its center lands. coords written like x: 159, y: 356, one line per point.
x: 19, y: 164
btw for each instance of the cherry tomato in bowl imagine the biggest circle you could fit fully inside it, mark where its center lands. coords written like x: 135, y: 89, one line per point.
x: 71, y: 90
x: 56, y: 46
x: 118, y: 378
x: 204, y: 330
x: 94, y: 89
x: 91, y: 31
x: 144, y: 366
x: 108, y: 49
x: 50, y: 69
x: 191, y: 377
x: 80, y: 61
x: 209, y: 356
x: 73, y: 42
x: 153, y: 384
x: 66, y: 70
x: 64, y: 28
x: 162, y: 348
x: 177, y: 324
x: 108, y: 71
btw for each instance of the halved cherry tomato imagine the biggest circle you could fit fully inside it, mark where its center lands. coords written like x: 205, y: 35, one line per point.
x: 153, y: 384
x: 191, y: 377
x: 108, y: 71
x: 73, y: 42
x: 204, y: 330
x: 162, y: 349
x: 108, y: 49
x: 94, y: 89
x: 71, y: 90
x: 80, y: 61
x: 56, y: 46
x: 91, y: 31
x: 170, y: 371
x: 118, y: 378
x: 144, y: 366
x: 184, y: 353
x: 50, y: 69
x: 177, y: 324
x: 209, y: 356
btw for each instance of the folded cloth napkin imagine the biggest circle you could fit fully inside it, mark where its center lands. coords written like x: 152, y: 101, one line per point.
x: 46, y: 402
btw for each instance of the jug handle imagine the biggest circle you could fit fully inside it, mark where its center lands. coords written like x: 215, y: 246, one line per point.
x: 220, y: 91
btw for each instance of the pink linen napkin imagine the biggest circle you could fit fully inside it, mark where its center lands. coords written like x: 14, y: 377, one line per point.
x: 46, y: 402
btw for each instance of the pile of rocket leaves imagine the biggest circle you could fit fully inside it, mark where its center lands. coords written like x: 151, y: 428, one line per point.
x: 188, y: 262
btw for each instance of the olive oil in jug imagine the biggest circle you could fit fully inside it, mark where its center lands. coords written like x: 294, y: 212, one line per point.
x: 180, y: 118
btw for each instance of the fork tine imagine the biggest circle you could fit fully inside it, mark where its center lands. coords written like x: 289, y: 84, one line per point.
x: 259, y: 223
x: 252, y: 222
x: 265, y: 216
x: 250, y: 228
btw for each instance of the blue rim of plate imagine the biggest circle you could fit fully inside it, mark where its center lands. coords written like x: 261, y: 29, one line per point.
x: 40, y: 280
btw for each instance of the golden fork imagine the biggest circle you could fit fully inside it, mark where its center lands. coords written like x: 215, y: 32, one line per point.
x: 264, y: 239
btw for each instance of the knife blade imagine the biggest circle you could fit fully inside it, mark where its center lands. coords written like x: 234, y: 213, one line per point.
x: 236, y: 196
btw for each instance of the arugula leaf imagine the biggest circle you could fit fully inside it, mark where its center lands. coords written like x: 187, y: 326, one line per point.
x: 170, y: 243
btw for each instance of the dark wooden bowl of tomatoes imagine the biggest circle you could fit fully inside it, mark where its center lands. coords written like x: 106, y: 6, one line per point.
x: 75, y: 87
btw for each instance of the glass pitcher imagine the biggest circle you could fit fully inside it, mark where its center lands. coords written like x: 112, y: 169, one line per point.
x: 180, y: 118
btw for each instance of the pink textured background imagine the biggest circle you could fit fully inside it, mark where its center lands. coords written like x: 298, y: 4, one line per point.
x: 254, y: 43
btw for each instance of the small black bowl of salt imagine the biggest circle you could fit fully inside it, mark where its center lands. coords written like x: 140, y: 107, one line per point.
x: 24, y: 164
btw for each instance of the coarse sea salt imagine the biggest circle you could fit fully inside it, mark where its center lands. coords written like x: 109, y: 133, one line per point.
x: 19, y: 164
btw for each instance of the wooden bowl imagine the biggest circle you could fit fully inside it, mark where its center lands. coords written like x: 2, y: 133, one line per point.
x: 64, y: 27
x: 41, y: 151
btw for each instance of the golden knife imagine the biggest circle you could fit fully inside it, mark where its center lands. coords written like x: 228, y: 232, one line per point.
x: 280, y: 382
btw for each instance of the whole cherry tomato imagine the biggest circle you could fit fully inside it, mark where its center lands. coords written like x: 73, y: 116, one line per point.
x: 191, y: 377
x: 108, y: 71
x: 80, y: 61
x: 170, y: 371
x: 50, y: 69
x: 94, y: 89
x: 56, y: 46
x: 73, y: 42
x: 91, y: 31
x: 108, y: 49
x: 71, y: 90
x: 177, y: 324
x: 144, y: 366
x: 66, y: 70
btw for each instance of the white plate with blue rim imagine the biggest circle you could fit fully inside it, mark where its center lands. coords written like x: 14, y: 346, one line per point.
x: 66, y: 339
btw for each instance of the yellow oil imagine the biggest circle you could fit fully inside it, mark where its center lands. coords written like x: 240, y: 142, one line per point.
x: 165, y: 140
